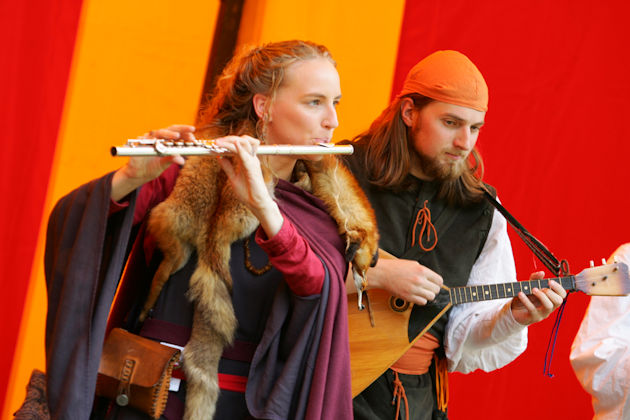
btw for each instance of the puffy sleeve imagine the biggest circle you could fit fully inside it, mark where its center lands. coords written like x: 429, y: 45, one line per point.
x: 600, y: 354
x: 485, y: 335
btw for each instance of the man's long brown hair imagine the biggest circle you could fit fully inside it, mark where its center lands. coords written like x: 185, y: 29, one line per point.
x: 389, y: 155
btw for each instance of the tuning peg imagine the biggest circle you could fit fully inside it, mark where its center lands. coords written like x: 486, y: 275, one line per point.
x: 603, y: 261
x: 592, y: 263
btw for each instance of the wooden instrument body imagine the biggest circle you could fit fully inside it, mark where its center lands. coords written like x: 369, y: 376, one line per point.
x: 379, y: 339
x: 371, y: 346
x: 379, y: 333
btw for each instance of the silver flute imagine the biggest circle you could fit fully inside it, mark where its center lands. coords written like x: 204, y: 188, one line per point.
x: 159, y: 147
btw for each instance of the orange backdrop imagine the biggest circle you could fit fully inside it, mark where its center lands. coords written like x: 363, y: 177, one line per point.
x: 124, y: 68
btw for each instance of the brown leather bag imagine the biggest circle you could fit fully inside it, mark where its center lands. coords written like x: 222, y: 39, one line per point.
x: 136, y: 371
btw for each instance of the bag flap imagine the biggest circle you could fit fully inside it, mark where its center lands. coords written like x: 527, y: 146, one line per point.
x: 151, y: 358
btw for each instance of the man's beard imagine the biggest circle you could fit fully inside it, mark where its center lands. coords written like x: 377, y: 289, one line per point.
x: 439, y: 171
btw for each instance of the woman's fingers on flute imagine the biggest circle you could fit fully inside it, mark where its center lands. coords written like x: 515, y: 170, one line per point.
x: 173, y: 132
x: 186, y: 132
x: 225, y: 143
x: 253, y: 142
x: 245, y: 143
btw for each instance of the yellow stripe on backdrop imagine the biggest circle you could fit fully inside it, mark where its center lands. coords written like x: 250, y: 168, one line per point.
x: 137, y: 65
x: 361, y: 35
x: 140, y: 65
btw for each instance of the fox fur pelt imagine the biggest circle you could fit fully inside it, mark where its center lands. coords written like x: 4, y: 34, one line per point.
x: 202, y: 213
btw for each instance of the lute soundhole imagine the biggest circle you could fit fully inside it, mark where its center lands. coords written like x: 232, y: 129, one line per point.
x: 398, y: 304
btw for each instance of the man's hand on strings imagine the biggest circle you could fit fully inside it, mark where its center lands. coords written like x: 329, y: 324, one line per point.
x: 406, y: 279
x: 528, y: 309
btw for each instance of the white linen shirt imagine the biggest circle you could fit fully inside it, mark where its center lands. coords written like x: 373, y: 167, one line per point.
x: 600, y: 354
x: 485, y: 335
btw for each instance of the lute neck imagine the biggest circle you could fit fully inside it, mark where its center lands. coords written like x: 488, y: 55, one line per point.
x: 469, y: 294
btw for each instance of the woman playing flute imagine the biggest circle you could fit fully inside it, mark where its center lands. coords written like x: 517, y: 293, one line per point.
x: 241, y: 260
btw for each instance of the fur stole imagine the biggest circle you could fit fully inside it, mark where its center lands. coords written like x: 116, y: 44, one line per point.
x: 203, y: 214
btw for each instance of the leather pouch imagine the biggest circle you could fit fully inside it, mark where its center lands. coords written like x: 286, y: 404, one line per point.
x: 136, y: 371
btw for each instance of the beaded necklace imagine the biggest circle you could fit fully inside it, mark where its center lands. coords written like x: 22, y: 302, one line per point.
x: 248, y: 264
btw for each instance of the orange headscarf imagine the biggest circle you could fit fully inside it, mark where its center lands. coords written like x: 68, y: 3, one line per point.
x: 448, y: 76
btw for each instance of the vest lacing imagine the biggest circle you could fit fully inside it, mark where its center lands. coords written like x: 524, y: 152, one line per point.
x: 423, y: 218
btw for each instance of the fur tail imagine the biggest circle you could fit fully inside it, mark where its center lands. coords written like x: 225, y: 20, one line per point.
x: 334, y: 184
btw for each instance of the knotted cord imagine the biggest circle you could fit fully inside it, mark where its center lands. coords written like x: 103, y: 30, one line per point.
x: 424, y: 218
x: 399, y: 394
x: 441, y: 382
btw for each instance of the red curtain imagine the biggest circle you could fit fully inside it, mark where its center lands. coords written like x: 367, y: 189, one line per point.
x: 38, y: 41
x: 554, y: 146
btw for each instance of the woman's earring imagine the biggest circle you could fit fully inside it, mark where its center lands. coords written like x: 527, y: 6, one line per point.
x: 261, y: 127
x: 260, y: 131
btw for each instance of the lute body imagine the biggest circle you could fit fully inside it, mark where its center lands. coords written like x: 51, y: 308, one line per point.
x: 379, y: 333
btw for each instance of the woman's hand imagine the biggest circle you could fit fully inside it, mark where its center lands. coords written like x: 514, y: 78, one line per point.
x: 140, y: 170
x: 246, y: 177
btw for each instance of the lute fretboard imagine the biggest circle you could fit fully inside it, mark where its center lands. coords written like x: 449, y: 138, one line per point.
x: 469, y: 294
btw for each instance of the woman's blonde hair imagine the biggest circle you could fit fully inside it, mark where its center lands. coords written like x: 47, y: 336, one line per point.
x: 230, y: 110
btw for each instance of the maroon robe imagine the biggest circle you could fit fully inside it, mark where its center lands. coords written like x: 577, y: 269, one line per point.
x: 85, y: 254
